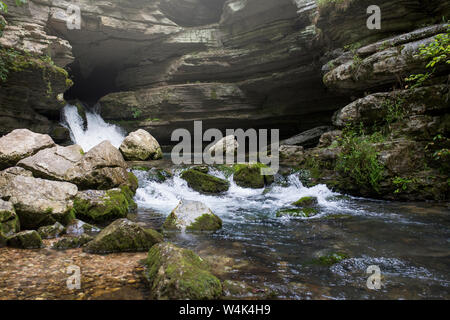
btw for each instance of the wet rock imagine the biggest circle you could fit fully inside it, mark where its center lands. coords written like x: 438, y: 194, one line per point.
x: 306, y: 202
x: 9, y: 221
x: 123, y: 235
x: 77, y: 227
x: 204, y: 183
x: 175, y: 273
x: 51, y: 232
x: 327, y: 258
x: 192, y: 216
x: 72, y: 242
x: 291, y: 153
x: 25, y: 240
x: 102, y: 167
x: 308, y: 138
x: 103, y: 205
x: 226, y: 145
x: 158, y: 175
x: 140, y: 146
x: 40, y: 202
x: 20, y: 144
x: 250, y: 176
x: 328, y: 138
x: 53, y: 163
x: 241, y: 290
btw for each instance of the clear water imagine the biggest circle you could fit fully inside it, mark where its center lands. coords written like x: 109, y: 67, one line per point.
x: 97, y: 129
x: 410, y: 242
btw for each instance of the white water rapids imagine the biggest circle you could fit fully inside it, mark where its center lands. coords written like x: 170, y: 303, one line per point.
x: 96, y: 132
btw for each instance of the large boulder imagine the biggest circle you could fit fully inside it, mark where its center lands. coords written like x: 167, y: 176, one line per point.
x: 100, y: 205
x: 102, y: 167
x: 9, y: 221
x: 20, y: 144
x: 29, y: 239
x: 204, y: 183
x: 40, y: 202
x: 176, y: 273
x: 53, y: 163
x: 192, y: 216
x: 140, y: 146
x: 250, y: 176
x: 226, y: 145
x: 123, y: 235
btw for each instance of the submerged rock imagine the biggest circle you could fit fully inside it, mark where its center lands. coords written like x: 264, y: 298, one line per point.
x: 158, y: 175
x: 297, y: 213
x: 101, y: 205
x: 241, y: 290
x: 29, y: 239
x: 40, y: 202
x: 192, y: 216
x: 20, y: 144
x: 77, y: 227
x: 140, y: 146
x: 176, y: 273
x: 72, y: 242
x: 51, y: 232
x: 102, y: 167
x: 9, y: 221
x: 123, y: 235
x: 204, y: 183
x: 53, y: 163
x: 249, y: 176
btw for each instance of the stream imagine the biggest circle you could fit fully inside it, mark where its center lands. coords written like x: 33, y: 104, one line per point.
x: 409, y: 242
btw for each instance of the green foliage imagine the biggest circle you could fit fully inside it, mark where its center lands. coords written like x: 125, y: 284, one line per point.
x: 4, y: 7
x: 359, y: 158
x: 401, y: 183
x: 435, y: 53
x: 136, y: 112
x: 395, y: 110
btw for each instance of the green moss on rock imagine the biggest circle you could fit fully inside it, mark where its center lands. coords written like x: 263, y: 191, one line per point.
x: 72, y: 242
x: 25, y: 240
x: 53, y: 231
x: 206, y: 222
x: 330, y: 258
x: 102, y: 206
x: 249, y: 176
x: 204, y: 183
x: 176, y: 273
x: 299, y: 213
x: 121, y: 236
x: 305, y: 202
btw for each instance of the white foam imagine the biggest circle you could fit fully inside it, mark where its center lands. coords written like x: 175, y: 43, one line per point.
x: 96, y: 132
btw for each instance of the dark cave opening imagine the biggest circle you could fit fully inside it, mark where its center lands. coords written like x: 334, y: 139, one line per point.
x: 89, y: 89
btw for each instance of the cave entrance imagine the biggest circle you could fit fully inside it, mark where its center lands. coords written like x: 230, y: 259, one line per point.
x: 89, y: 89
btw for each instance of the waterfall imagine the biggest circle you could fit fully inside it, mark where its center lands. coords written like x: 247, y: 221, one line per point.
x: 97, y: 130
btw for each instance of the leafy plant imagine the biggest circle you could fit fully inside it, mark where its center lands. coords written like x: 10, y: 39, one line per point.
x: 136, y: 112
x: 435, y: 53
x: 359, y: 158
x: 401, y: 183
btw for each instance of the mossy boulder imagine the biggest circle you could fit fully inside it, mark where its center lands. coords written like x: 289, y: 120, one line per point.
x: 250, y: 175
x: 51, y: 232
x: 204, y: 183
x: 192, y: 216
x: 176, y: 273
x: 298, y: 213
x: 72, y: 242
x: 306, y: 202
x: 121, y: 236
x: 29, y: 239
x: 102, y: 206
x: 9, y: 221
x: 140, y: 146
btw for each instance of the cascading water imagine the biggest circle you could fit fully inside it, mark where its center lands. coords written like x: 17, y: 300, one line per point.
x: 97, y: 129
